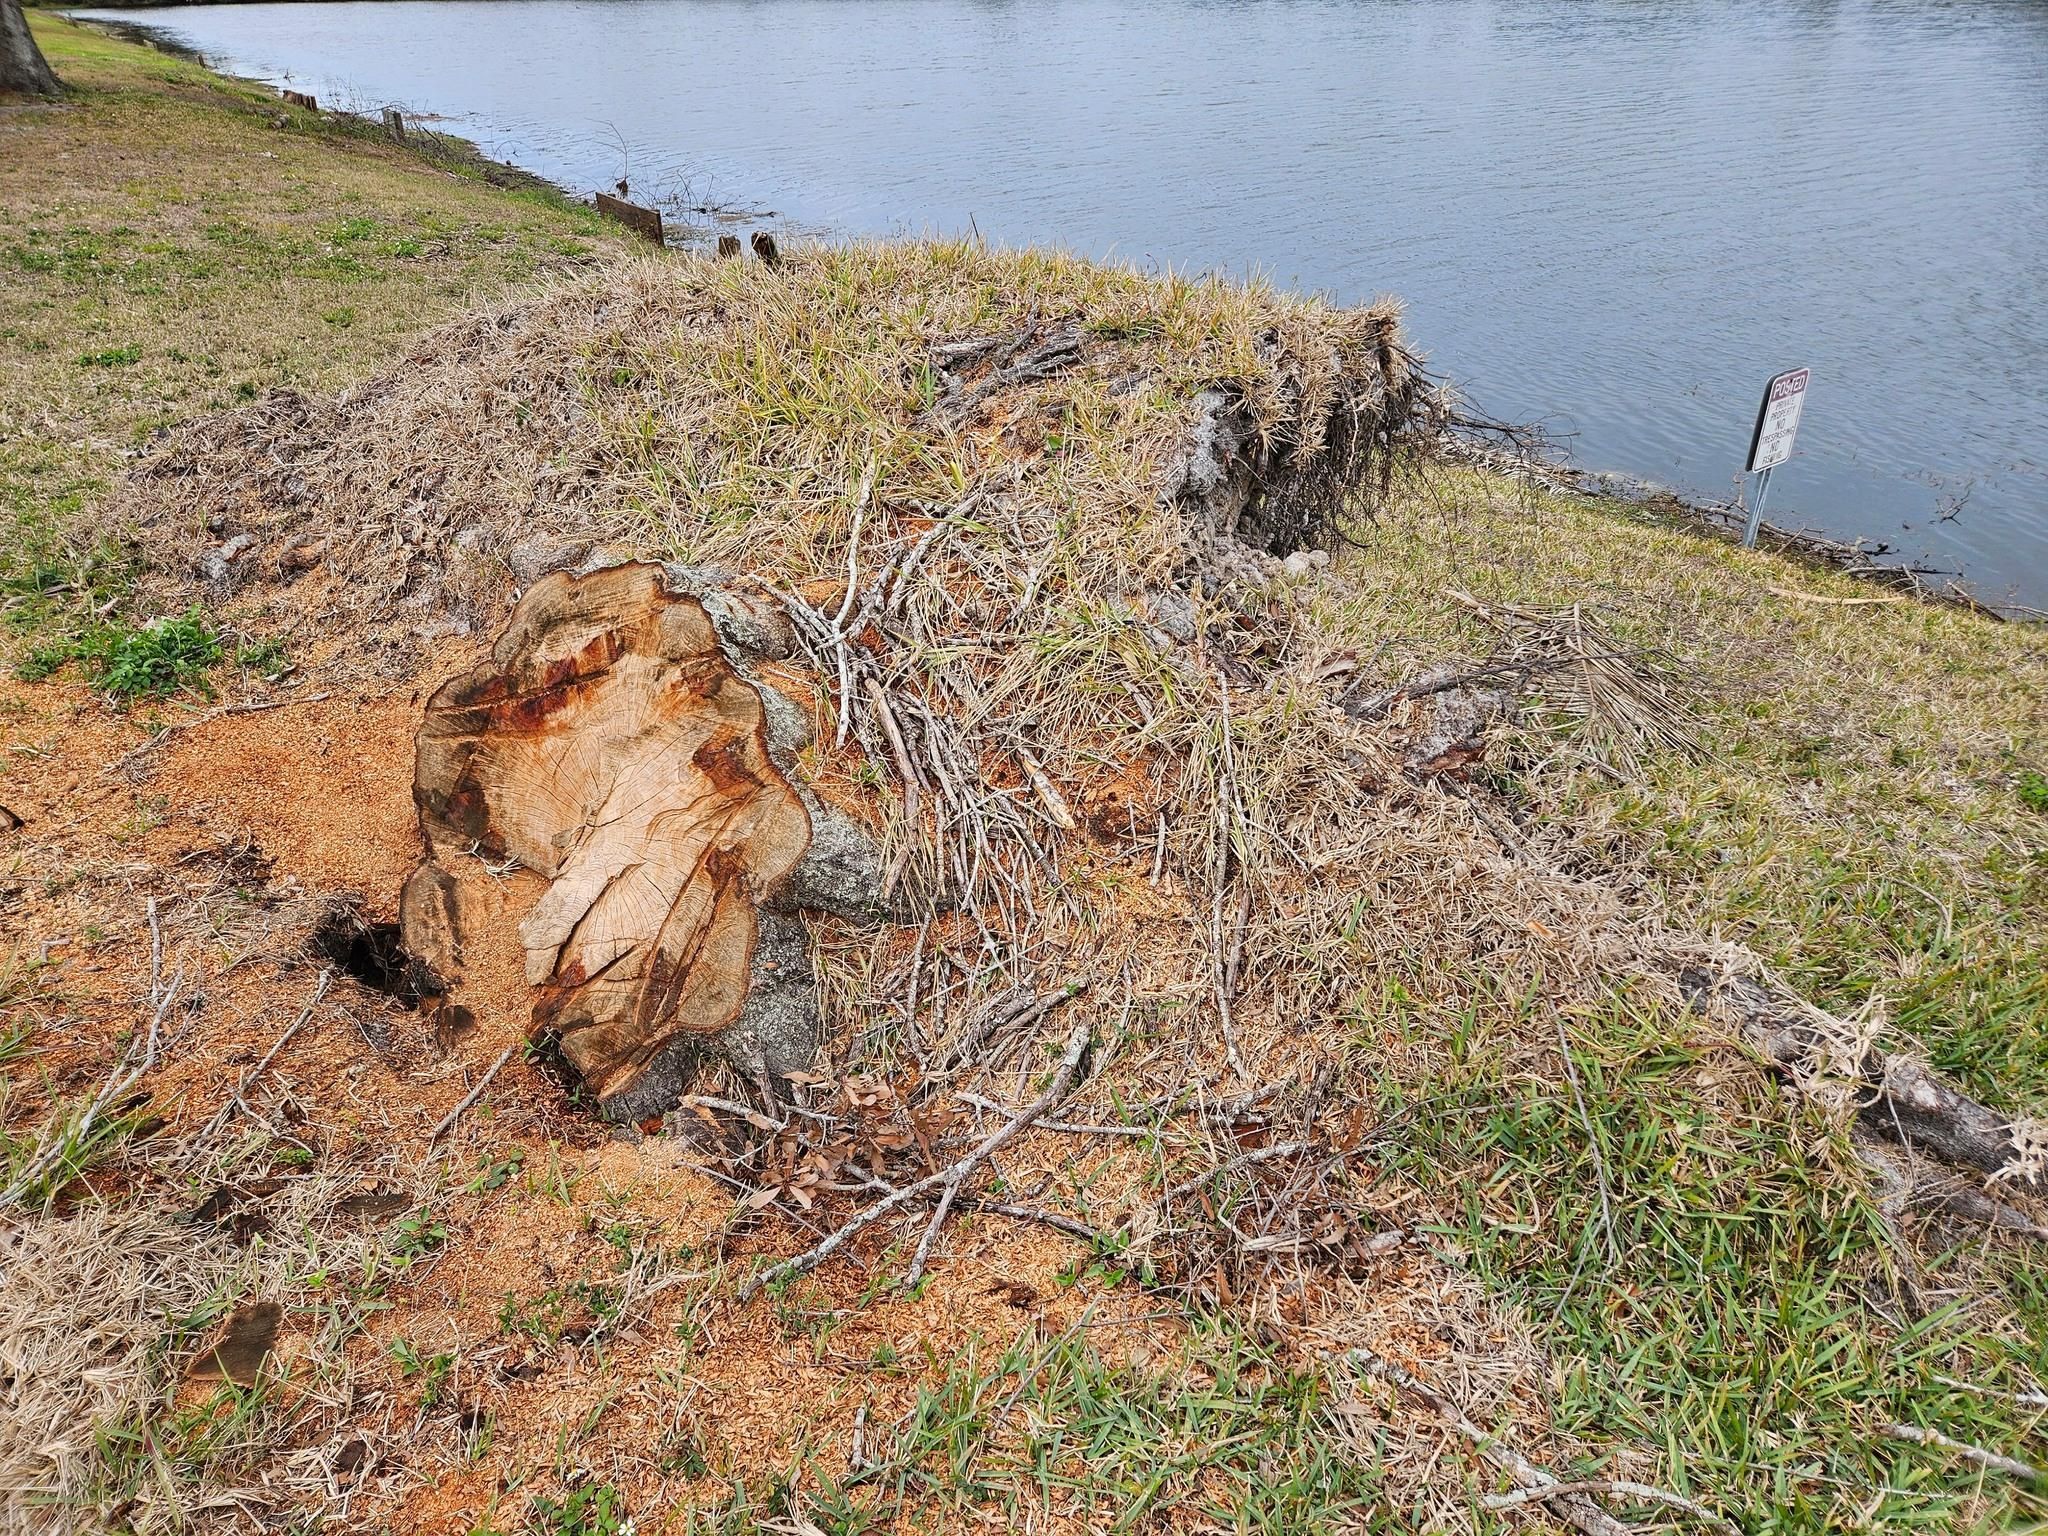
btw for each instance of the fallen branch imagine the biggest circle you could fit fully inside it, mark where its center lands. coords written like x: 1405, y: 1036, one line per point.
x: 894, y: 733
x: 1990, y: 1461
x: 235, y: 1101
x: 1642, y: 1493
x: 1066, y: 1127
x: 448, y: 1120
x: 1901, y: 1098
x: 947, y: 1179
x: 1052, y: 1219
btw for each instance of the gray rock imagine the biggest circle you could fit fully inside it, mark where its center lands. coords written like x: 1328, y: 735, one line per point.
x: 217, y: 563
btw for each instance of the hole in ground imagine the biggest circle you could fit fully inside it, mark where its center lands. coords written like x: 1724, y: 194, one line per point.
x: 372, y: 954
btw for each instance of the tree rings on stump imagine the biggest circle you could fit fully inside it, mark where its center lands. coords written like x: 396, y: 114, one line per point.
x: 610, y: 746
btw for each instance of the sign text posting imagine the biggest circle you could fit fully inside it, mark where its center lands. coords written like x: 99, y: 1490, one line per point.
x: 1777, y: 420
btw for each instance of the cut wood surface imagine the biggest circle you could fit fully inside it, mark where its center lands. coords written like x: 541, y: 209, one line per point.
x: 610, y: 746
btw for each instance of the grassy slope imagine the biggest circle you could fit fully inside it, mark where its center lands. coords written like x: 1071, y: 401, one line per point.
x: 1866, y: 816
x: 1862, y: 816
x: 165, y: 250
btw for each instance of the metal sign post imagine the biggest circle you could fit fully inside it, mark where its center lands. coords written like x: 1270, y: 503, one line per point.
x: 1777, y: 423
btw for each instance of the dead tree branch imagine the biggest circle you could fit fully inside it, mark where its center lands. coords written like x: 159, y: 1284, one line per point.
x: 1990, y: 1461
x: 947, y: 1180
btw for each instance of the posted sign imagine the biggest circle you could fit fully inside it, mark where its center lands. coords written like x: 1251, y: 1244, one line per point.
x: 1777, y: 420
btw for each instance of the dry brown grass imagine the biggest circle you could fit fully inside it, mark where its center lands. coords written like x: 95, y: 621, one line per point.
x: 1249, y: 863
x: 1523, y: 1170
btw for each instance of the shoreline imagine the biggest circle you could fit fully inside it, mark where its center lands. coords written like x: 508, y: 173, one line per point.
x: 1636, y: 496
x: 448, y: 150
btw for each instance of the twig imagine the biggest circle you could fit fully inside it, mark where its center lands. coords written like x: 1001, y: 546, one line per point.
x: 1835, y: 602
x: 472, y: 1096
x: 915, y: 1273
x: 143, y: 749
x: 1053, y: 1219
x: 856, y: 1454
x: 905, y: 769
x: 949, y: 1178
x: 1642, y: 1493
x: 1069, y: 1127
x: 1055, y: 803
x: 1580, y: 1511
x: 753, y: 1117
x: 236, y: 1102
x: 2032, y: 1398
x: 1990, y: 1461
x: 258, y: 706
x: 61, y: 1140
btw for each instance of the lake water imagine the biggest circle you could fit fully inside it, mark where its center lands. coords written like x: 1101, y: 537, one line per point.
x: 1616, y: 217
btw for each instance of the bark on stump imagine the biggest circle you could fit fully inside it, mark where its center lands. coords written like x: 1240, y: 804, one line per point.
x: 612, y: 745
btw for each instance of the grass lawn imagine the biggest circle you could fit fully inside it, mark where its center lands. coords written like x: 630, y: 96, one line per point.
x: 1716, y: 1297
x: 173, y: 243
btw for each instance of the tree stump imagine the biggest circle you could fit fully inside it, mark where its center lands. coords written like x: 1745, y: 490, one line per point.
x: 612, y: 745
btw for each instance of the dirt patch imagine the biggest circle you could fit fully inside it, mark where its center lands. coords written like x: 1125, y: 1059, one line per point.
x: 324, y: 789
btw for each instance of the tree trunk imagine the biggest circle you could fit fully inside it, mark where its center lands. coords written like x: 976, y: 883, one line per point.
x: 611, y: 745
x: 22, y: 67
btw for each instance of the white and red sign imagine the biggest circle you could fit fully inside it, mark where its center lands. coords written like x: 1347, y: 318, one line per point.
x: 1777, y: 420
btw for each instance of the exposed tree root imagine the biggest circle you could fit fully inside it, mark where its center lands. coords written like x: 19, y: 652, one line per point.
x: 1897, y: 1097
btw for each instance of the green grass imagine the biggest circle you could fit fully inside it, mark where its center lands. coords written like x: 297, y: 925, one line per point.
x: 134, y: 662
x: 195, y: 255
x: 1709, y: 1278
x: 1860, y: 814
x: 593, y: 1510
x: 1223, y: 1438
x: 2032, y: 788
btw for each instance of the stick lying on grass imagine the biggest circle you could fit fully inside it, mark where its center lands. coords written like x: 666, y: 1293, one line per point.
x: 1569, y: 1501
x: 947, y: 1180
x: 1990, y: 1461
x: 1903, y: 1100
x: 62, y: 1140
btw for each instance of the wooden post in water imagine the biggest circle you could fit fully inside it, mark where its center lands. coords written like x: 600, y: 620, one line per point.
x: 642, y: 221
